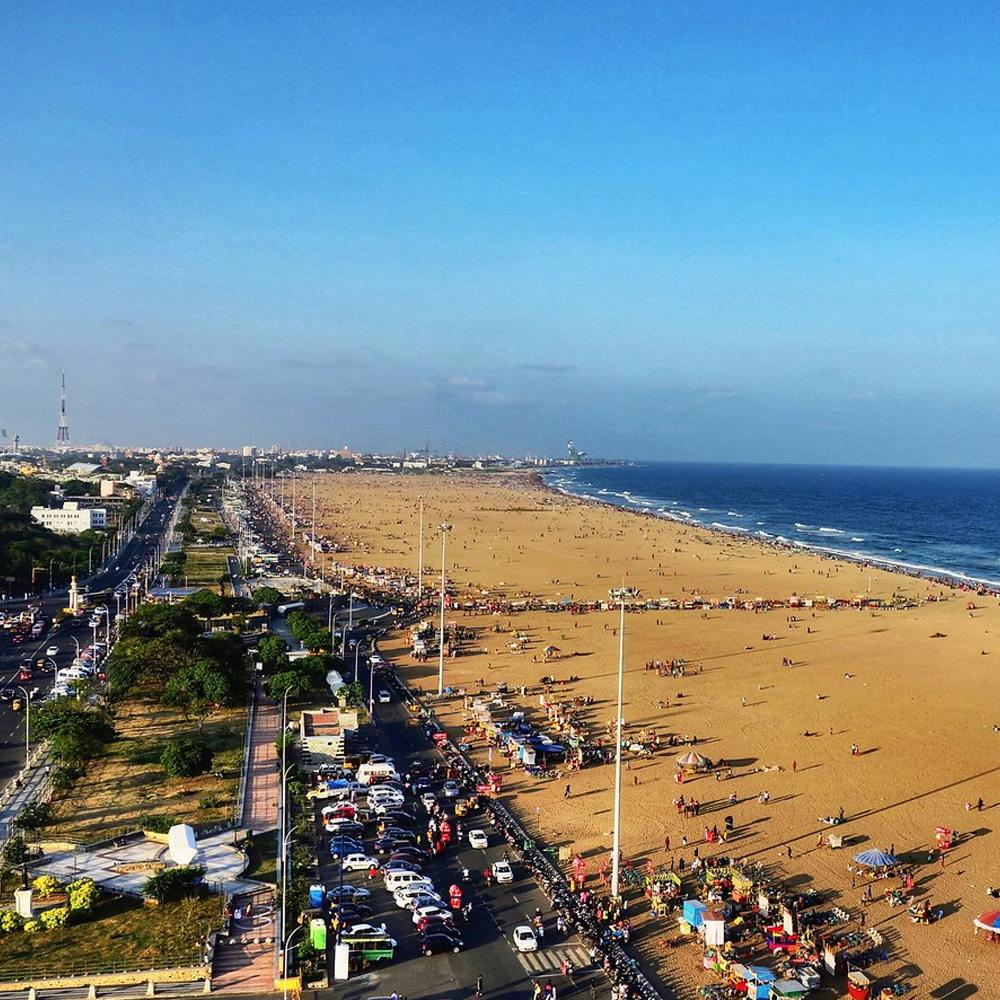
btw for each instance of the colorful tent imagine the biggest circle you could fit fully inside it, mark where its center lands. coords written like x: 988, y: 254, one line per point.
x: 875, y: 859
x: 692, y: 759
x: 988, y: 921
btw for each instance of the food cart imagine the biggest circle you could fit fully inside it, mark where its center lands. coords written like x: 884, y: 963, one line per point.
x: 788, y: 989
x: 692, y: 915
x: 859, y: 986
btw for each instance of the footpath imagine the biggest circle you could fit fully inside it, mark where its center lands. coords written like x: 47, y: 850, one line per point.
x: 244, y: 958
x: 30, y: 784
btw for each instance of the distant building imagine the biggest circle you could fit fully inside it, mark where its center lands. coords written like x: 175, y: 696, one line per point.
x: 71, y: 518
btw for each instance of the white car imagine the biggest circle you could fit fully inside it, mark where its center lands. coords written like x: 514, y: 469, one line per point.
x: 478, y: 839
x: 384, y: 697
x: 403, y: 895
x: 502, y: 872
x: 362, y: 930
x: 451, y: 790
x: 431, y: 911
x: 387, y: 805
x: 358, y: 862
x: 428, y: 799
x: 52, y: 651
x: 525, y: 939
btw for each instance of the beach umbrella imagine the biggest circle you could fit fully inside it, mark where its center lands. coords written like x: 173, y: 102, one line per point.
x: 875, y: 859
x: 692, y: 759
x: 549, y: 650
x: 988, y: 921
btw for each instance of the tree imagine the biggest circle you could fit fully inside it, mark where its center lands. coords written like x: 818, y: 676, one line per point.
x: 152, y: 621
x: 33, y: 817
x: 184, y: 757
x: 173, y: 883
x: 353, y: 694
x: 207, y: 605
x: 267, y: 597
x: 273, y: 651
x: 295, y: 682
x: 76, y: 731
x: 198, y: 690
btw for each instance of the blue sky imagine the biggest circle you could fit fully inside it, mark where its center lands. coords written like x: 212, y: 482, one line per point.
x: 758, y: 232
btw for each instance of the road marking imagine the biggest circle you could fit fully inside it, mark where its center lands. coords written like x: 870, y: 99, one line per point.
x: 548, y: 960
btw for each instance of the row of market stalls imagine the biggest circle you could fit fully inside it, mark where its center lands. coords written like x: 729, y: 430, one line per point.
x: 763, y: 941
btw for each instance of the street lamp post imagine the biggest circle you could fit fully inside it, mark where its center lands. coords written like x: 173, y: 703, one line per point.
x: 51, y: 561
x: 284, y: 787
x: 284, y: 957
x: 27, y: 724
x: 420, y: 564
x: 616, y: 838
x: 445, y: 528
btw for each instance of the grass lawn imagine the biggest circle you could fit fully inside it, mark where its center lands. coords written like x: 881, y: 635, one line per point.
x: 129, y: 783
x: 121, y: 933
x: 204, y: 566
x: 263, y: 857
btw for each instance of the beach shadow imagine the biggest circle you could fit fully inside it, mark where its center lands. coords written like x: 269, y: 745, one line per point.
x: 955, y: 989
x: 864, y: 753
x: 809, y: 768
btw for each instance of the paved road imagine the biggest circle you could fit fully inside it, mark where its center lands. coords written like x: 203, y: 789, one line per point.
x: 497, y: 910
x: 11, y: 722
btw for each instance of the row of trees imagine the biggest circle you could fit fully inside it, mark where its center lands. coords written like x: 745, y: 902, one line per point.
x: 163, y: 654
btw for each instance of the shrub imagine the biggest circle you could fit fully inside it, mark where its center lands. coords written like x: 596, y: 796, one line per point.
x: 184, y: 757
x: 63, y: 778
x: 209, y: 801
x: 31, y: 926
x: 173, y: 883
x: 156, y: 823
x: 58, y: 916
x: 46, y: 885
x: 34, y: 816
x: 10, y: 921
x: 15, y: 851
x: 83, y: 894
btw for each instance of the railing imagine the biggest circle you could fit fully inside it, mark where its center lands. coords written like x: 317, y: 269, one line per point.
x: 191, y: 959
x: 245, y: 761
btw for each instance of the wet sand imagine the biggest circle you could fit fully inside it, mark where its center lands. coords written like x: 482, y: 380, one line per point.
x: 920, y: 709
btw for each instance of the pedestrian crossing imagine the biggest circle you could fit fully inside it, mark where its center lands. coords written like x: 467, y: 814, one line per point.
x: 547, y: 961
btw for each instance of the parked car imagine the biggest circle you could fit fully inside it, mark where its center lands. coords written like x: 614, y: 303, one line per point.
x: 451, y: 790
x: 432, y: 942
x: 341, y: 846
x: 430, y: 911
x: 478, y: 839
x: 358, y: 862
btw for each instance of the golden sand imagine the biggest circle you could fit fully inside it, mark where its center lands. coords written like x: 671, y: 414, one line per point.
x: 921, y: 709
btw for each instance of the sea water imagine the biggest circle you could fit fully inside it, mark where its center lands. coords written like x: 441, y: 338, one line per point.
x: 938, y: 522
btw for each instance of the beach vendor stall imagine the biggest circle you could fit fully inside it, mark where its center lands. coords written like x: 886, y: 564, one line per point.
x: 692, y: 915
x: 754, y: 980
x: 990, y: 923
x: 875, y: 858
x: 693, y: 762
x: 788, y: 989
x: 859, y: 986
x: 713, y: 925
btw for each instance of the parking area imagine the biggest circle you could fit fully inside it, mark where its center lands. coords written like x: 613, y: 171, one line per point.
x: 481, y: 915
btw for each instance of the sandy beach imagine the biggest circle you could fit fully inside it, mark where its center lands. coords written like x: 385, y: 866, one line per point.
x: 915, y: 689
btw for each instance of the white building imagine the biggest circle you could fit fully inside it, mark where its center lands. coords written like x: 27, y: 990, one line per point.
x: 71, y: 518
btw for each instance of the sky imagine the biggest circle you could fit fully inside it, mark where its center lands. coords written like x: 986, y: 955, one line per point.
x: 713, y: 231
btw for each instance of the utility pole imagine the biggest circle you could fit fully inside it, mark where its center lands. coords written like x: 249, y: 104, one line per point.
x: 616, y: 838
x: 445, y: 528
x: 420, y: 567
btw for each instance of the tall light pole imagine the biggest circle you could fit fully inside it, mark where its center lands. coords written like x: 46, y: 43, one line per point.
x: 27, y: 724
x: 616, y: 837
x: 445, y: 528
x: 282, y: 829
x: 312, y: 537
x: 420, y: 565
x: 284, y: 957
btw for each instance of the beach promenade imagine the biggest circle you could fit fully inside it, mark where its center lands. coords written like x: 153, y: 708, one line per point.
x: 244, y: 959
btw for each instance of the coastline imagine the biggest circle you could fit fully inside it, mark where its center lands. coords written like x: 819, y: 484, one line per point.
x: 797, y: 686
x: 942, y: 576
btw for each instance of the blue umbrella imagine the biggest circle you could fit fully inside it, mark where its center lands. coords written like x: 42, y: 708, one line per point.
x: 875, y: 858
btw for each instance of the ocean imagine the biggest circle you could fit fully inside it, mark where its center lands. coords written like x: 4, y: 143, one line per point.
x: 937, y: 522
